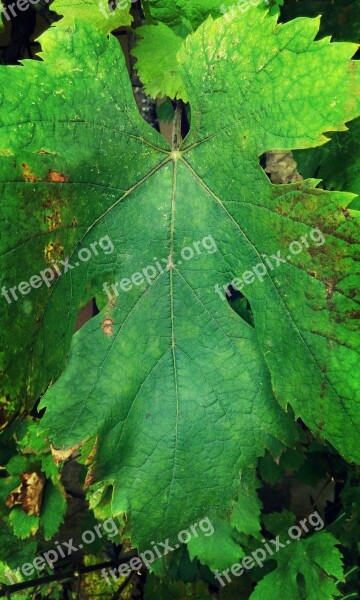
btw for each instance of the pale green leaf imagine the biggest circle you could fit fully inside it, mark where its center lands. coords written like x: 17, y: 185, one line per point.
x: 96, y: 13
x: 156, y: 61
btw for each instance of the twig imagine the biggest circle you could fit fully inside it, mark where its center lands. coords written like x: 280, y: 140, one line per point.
x: 78, y: 585
x: 6, y: 590
x: 123, y: 586
x: 322, y: 490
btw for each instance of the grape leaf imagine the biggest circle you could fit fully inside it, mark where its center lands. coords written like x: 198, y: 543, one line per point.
x: 95, y: 12
x: 340, y: 19
x: 218, y: 551
x: 176, y: 566
x: 23, y: 525
x: 337, y: 163
x: 53, y: 509
x: 156, y: 61
x: 183, y: 16
x: 171, y: 380
x: 279, y: 523
x: 14, y: 552
x: 245, y: 516
x: 305, y: 569
x: 32, y: 495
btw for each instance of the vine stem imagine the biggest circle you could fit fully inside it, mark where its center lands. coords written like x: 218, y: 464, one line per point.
x: 6, y: 590
x: 123, y: 586
x: 146, y: 10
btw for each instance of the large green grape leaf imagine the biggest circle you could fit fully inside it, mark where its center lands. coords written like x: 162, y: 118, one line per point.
x: 171, y: 380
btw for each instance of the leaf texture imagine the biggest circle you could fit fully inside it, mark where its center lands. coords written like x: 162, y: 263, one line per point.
x: 177, y: 387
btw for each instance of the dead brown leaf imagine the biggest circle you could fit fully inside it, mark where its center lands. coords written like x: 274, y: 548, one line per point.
x: 29, y: 493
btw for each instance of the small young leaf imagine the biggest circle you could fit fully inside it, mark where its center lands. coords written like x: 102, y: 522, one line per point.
x: 156, y: 62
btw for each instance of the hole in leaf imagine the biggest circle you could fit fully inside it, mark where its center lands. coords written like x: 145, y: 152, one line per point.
x: 86, y: 313
x: 280, y: 167
x: 240, y: 305
x: 300, y: 580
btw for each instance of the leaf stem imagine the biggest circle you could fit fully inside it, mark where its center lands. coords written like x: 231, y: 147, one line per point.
x: 176, y: 132
x: 341, y: 516
x: 347, y: 574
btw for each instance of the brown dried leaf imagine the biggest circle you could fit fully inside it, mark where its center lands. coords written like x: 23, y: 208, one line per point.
x: 29, y: 493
